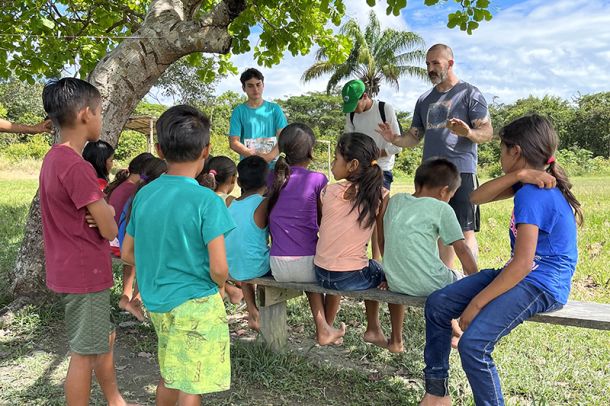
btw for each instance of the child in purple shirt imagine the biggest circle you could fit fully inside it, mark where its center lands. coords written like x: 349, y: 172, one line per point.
x: 294, y: 213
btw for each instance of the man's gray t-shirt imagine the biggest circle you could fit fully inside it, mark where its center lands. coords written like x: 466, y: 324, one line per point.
x: 432, y: 111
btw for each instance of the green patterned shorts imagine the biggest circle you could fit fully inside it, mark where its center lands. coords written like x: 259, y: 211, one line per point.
x: 88, y: 324
x: 194, y: 346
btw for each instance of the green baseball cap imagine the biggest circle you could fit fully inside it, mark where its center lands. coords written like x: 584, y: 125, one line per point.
x: 352, y: 92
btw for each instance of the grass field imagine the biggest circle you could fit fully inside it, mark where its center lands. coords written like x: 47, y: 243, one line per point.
x: 539, y: 364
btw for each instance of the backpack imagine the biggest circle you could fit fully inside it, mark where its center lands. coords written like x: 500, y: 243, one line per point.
x: 381, y: 112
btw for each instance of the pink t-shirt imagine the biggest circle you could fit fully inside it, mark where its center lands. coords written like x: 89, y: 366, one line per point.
x: 77, y: 258
x: 119, y: 197
x: 342, y: 243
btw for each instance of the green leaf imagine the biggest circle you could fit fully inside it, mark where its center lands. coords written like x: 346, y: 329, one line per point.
x: 47, y: 23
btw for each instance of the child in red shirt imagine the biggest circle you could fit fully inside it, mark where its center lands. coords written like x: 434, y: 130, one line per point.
x: 78, y: 264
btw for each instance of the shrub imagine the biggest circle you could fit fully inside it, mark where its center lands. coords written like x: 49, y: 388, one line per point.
x: 34, y: 148
x: 131, y: 143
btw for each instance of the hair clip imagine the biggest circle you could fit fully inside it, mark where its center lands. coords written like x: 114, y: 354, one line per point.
x: 374, y: 162
x: 550, y: 160
x: 144, y: 178
x: 282, y: 155
x: 213, y: 172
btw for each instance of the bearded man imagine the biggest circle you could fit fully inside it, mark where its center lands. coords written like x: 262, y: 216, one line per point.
x: 451, y: 118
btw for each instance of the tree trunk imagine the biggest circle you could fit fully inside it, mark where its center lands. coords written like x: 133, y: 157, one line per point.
x: 124, y: 77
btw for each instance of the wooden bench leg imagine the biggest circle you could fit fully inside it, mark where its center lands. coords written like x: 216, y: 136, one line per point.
x: 273, y: 325
x: 273, y: 317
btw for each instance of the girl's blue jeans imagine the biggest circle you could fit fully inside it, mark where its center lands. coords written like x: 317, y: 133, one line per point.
x: 493, y: 322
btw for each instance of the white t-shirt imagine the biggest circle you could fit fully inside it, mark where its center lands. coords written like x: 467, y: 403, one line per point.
x: 367, y: 122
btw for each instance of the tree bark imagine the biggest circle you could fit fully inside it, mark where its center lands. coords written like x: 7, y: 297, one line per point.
x: 124, y: 77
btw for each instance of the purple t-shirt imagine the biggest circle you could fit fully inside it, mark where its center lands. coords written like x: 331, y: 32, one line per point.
x: 293, y: 222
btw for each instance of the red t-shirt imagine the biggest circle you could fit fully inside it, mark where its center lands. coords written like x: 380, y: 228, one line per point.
x: 119, y: 197
x: 77, y: 258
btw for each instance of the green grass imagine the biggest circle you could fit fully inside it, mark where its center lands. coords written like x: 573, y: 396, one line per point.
x: 538, y: 363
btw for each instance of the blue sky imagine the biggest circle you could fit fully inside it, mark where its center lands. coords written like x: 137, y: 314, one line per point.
x: 530, y: 47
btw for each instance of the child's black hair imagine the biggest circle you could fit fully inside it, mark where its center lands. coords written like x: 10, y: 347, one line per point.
x: 217, y: 171
x: 183, y: 132
x: 437, y: 172
x: 368, y: 178
x: 97, y: 153
x: 62, y: 99
x: 538, y: 141
x: 135, y: 167
x: 249, y: 74
x: 252, y: 173
x: 296, y: 142
x: 151, y: 170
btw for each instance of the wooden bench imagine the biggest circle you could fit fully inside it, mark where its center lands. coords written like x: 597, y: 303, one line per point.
x: 272, y: 297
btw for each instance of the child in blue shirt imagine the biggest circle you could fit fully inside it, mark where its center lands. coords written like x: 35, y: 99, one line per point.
x: 176, y: 232
x: 247, y: 245
x: 536, y: 279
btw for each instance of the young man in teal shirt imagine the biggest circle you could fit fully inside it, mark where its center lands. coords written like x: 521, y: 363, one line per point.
x: 176, y: 233
x: 256, y: 124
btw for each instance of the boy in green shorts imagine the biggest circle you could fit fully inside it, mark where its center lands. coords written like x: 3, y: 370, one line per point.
x: 76, y: 254
x: 176, y: 234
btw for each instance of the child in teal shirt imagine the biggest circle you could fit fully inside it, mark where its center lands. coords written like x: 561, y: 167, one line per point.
x: 176, y: 233
x: 413, y: 226
x: 247, y: 246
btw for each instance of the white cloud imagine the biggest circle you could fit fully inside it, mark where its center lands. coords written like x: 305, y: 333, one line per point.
x: 534, y: 47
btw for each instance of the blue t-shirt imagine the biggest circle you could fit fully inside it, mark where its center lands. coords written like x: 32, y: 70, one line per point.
x: 123, y: 222
x: 432, y: 111
x: 172, y: 221
x: 257, y: 127
x: 556, y: 248
x: 247, y: 245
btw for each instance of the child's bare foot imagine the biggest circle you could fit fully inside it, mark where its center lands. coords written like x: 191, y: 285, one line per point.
x: 123, y: 301
x: 376, y: 337
x: 395, y: 347
x: 331, y: 335
x: 134, y: 306
x: 235, y: 294
x: 431, y: 400
x: 254, y: 322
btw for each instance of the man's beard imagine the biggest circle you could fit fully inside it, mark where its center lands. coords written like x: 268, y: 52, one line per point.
x: 437, y: 78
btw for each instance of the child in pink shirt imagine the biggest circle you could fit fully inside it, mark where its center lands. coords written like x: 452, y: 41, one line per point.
x: 350, y: 212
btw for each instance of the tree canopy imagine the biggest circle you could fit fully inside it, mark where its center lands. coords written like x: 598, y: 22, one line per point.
x: 45, y: 38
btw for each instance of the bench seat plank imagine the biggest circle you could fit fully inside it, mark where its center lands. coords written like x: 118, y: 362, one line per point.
x: 578, y: 314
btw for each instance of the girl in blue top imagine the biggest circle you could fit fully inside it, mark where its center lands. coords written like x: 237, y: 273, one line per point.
x: 247, y: 245
x: 536, y: 279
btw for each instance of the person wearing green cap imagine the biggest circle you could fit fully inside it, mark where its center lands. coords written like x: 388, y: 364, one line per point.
x: 364, y: 115
x: 256, y: 124
x: 451, y: 118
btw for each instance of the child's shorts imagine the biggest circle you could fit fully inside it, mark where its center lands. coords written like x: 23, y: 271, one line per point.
x: 368, y: 277
x: 293, y: 269
x: 194, y: 346
x: 88, y: 324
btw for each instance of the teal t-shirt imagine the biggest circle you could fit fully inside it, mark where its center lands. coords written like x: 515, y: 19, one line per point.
x: 412, y: 227
x: 247, y: 248
x: 257, y: 127
x: 172, y: 221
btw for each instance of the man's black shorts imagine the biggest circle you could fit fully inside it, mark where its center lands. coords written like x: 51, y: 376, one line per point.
x: 467, y: 213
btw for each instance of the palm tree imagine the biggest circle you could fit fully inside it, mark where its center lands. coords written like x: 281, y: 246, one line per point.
x: 376, y: 55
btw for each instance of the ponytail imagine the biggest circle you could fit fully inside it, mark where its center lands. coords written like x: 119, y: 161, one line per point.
x: 120, y: 177
x: 368, y: 178
x: 565, y: 186
x: 217, y: 171
x: 281, y: 176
